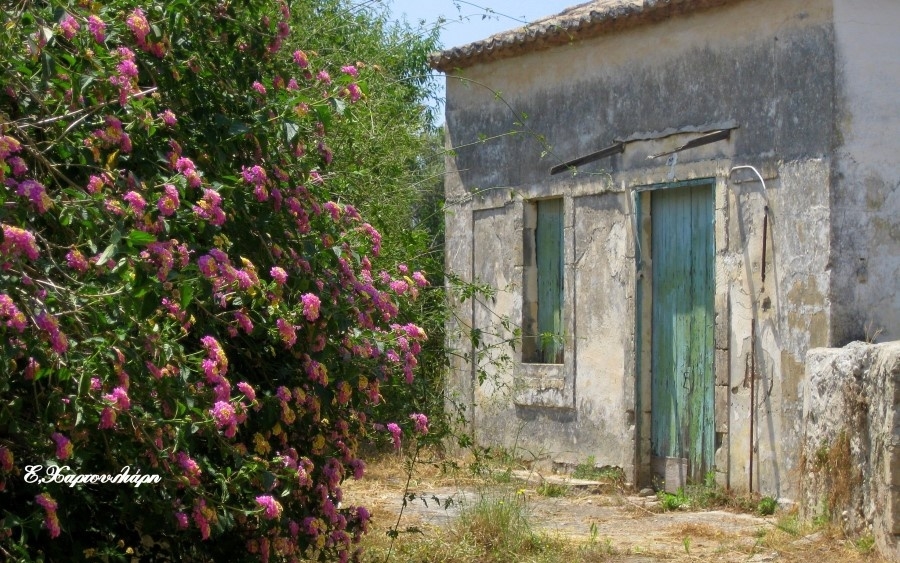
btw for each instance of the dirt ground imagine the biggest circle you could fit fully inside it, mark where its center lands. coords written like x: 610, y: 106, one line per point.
x: 621, y: 525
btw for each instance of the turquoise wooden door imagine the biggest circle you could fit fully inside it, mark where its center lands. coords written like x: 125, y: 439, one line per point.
x: 683, y: 249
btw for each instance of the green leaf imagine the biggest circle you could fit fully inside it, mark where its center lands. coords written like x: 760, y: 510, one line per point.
x: 238, y: 128
x: 187, y: 294
x: 108, y: 253
x: 140, y: 238
x: 290, y: 130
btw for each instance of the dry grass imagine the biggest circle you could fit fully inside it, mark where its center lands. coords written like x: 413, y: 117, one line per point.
x: 694, y: 530
x: 500, y: 522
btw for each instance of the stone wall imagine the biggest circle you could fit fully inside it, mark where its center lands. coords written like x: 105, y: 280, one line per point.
x: 851, y: 440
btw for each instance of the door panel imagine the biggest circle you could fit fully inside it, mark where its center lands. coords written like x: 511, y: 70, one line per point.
x: 683, y: 249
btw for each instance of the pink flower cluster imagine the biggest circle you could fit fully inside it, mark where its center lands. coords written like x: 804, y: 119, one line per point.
x: 279, y: 275
x: 421, y: 422
x: 190, y: 467
x: 287, y: 331
x: 168, y: 203
x: 216, y: 267
x: 63, y: 446
x: 225, y: 417
x: 311, y: 305
x: 164, y: 256
x: 97, y: 28
x: 50, y: 325
x: 69, y: 26
x: 271, y: 507
x: 51, y: 520
x: 202, y: 515
x: 209, y: 208
x: 8, y: 146
x: 168, y: 118
x: 14, y: 318
x: 126, y: 75
x: 36, y: 192
x: 215, y: 365
x: 6, y: 459
x: 18, y: 242
x: 243, y: 321
x: 136, y: 202
x: 395, y: 431
x: 256, y: 176
x: 118, y: 399
x: 113, y: 135
x: 76, y: 260
x: 188, y: 169
x: 140, y: 27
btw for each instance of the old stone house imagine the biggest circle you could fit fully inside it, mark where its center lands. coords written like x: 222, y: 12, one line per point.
x: 675, y: 200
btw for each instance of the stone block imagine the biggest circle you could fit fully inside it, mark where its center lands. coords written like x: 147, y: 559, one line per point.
x: 722, y: 367
x: 721, y: 408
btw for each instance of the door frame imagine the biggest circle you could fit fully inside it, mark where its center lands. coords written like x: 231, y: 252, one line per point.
x: 645, y: 471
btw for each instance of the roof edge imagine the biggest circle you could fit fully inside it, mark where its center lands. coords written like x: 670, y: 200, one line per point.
x: 570, y: 25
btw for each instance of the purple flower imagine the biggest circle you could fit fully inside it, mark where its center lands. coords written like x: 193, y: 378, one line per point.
x: 209, y: 208
x: 127, y: 68
x: 8, y: 146
x: 247, y: 390
x: 255, y: 175
x: 225, y: 416
x: 395, y: 434
x: 182, y: 520
x: 107, y: 419
x: 169, y: 202
x: 136, y: 202
x: 6, y: 459
x: 287, y: 331
x: 191, y: 469
x: 399, y: 286
x: 36, y: 192
x: 301, y: 59
x: 77, y: 261
x: 69, y: 26
x: 168, y: 118
x: 272, y: 507
x: 119, y: 398
x: 50, y: 325
x: 97, y: 28
x: 259, y: 87
x: 351, y: 70
x: 311, y: 305
x: 244, y: 321
x: 17, y: 165
x: 63, y: 446
x: 9, y: 311
x: 421, y: 422
x: 279, y: 275
x: 138, y: 25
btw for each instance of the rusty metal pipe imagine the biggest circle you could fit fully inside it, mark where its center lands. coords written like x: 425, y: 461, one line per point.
x: 752, y: 393
x: 765, y: 233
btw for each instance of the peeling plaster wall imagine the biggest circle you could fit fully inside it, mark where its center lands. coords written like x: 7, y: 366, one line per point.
x: 851, y: 432
x: 765, y: 65
x: 866, y: 197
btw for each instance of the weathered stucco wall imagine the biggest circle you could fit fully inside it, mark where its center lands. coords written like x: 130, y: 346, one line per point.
x: 851, y: 440
x: 866, y: 196
x: 766, y: 66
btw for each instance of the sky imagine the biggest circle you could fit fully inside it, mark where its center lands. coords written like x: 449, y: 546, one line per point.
x: 468, y: 21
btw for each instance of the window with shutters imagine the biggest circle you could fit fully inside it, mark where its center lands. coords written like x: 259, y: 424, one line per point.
x: 542, y: 323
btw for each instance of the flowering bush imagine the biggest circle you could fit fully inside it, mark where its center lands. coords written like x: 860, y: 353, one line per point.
x: 182, y: 292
